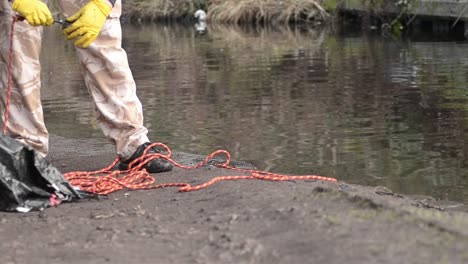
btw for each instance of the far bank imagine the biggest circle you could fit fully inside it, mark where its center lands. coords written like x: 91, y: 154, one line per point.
x: 384, y: 15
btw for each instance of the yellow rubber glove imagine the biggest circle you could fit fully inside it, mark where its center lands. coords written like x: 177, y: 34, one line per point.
x: 88, y: 22
x: 35, y: 12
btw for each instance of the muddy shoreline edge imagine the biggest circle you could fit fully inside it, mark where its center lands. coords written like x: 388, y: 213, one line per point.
x: 231, y: 222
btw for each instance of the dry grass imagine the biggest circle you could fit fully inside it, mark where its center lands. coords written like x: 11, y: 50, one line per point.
x: 266, y: 11
x: 161, y: 9
x: 229, y: 11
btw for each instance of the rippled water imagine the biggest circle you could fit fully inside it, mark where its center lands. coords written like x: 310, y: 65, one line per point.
x: 364, y: 109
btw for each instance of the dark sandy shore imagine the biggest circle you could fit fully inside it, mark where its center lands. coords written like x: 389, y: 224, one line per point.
x: 232, y: 222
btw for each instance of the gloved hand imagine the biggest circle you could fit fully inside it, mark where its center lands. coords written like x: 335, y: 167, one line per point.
x: 88, y: 22
x: 35, y: 12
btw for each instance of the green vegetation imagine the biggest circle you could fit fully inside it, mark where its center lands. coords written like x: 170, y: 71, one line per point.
x: 230, y: 11
x: 392, y: 16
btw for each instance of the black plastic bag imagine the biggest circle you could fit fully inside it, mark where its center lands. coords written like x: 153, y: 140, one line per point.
x: 27, y: 181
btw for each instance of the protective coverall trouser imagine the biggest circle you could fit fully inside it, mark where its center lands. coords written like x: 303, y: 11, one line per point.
x: 106, y: 73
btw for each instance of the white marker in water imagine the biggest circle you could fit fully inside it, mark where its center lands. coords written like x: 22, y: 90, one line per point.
x: 200, y: 14
x: 200, y: 26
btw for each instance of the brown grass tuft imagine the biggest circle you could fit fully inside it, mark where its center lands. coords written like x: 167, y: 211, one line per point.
x: 266, y: 11
x: 161, y: 9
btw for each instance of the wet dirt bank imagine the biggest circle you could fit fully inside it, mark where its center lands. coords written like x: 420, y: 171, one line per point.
x: 231, y: 222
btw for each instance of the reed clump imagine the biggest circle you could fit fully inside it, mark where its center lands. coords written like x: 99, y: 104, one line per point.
x: 229, y: 11
x: 161, y: 9
x: 266, y: 11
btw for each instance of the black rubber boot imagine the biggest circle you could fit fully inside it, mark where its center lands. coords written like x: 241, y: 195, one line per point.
x: 154, y: 166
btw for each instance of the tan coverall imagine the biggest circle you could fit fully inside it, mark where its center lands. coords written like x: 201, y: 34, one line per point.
x: 106, y: 73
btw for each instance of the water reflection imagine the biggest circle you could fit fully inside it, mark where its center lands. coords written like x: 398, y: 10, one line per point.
x: 293, y: 100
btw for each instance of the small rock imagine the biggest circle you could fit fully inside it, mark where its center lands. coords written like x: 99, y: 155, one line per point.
x: 345, y: 187
x: 102, y: 216
x: 381, y: 190
x: 233, y: 218
x: 42, y: 214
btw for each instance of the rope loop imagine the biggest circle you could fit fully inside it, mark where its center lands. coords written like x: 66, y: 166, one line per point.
x: 107, y: 180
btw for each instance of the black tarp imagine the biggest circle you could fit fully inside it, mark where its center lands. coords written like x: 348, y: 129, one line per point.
x: 28, y: 181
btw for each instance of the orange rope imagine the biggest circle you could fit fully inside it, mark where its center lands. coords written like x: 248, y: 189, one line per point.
x: 106, y: 180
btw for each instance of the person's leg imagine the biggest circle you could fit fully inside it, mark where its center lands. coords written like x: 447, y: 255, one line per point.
x: 26, y: 121
x: 110, y: 82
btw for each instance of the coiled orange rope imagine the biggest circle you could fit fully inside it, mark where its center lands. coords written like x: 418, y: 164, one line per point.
x: 106, y: 181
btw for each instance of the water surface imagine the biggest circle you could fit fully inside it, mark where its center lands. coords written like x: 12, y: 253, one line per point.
x: 365, y: 109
